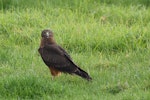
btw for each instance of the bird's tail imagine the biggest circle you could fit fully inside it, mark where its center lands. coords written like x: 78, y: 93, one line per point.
x: 83, y: 74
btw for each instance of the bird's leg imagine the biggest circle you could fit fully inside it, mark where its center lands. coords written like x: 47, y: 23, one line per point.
x: 54, y: 72
x: 53, y: 78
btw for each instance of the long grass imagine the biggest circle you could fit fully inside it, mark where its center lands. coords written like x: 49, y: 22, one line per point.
x: 109, y: 39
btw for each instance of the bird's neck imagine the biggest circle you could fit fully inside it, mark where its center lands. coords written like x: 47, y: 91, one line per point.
x: 49, y: 41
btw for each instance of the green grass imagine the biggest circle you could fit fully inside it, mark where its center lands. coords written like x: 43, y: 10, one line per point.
x: 108, y: 39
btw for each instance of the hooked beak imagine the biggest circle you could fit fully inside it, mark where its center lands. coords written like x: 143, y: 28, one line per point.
x: 47, y: 35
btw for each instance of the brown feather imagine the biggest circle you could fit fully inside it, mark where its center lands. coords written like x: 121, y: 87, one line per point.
x: 54, y: 72
x: 56, y: 58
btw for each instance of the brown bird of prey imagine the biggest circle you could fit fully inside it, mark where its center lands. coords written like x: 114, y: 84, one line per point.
x: 56, y: 58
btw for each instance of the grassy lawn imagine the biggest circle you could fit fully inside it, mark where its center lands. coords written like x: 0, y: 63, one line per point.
x: 109, y: 39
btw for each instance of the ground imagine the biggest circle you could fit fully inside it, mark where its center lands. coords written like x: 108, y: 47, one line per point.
x: 108, y: 39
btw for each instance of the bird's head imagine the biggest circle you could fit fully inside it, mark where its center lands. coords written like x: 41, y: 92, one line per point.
x: 47, y: 37
x: 47, y: 34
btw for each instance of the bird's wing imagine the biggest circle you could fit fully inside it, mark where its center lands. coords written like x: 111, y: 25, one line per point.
x: 57, y: 57
x: 66, y: 54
